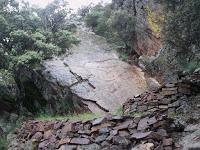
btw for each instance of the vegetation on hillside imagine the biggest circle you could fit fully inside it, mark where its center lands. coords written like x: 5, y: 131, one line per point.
x: 117, y: 26
x: 29, y: 35
x: 182, y: 32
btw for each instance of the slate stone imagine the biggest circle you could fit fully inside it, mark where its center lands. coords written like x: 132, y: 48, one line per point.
x: 140, y: 135
x: 98, y: 121
x: 101, y: 138
x: 68, y: 147
x: 118, y: 140
x: 124, y: 125
x: 80, y: 141
x: 37, y: 136
x: 167, y: 142
x: 93, y: 146
x: 104, y: 130
x: 143, y: 124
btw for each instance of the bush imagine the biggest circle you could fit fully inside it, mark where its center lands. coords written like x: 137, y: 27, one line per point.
x: 20, y: 40
x: 182, y: 31
x: 64, y: 39
x: 47, y: 49
x: 30, y: 58
x: 117, y: 26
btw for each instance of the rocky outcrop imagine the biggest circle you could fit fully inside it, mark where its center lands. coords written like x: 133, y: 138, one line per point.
x: 149, y: 21
x: 40, y: 93
x: 151, y: 124
x: 169, y: 99
x: 178, y: 100
x: 111, y: 132
x: 8, y: 92
x: 92, y: 78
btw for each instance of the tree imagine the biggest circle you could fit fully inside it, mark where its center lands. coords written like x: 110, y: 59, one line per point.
x: 24, y: 29
x: 182, y: 31
x: 123, y: 24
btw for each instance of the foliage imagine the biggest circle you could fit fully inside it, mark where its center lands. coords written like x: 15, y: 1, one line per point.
x: 29, y: 58
x: 28, y: 35
x: 182, y: 31
x: 64, y: 38
x: 118, y: 26
x: 3, y: 144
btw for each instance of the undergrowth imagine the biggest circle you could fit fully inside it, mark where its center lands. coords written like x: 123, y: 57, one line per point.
x: 73, y: 117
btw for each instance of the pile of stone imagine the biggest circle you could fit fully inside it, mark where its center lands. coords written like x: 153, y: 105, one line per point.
x: 107, y: 133
x: 168, y: 99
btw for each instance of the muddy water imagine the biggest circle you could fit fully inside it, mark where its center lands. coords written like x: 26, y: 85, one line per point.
x: 95, y: 73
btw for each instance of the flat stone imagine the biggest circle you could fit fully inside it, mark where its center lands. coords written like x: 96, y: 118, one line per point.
x: 104, y: 130
x: 68, y: 127
x: 101, y: 138
x: 104, y: 125
x: 80, y: 141
x: 124, y: 125
x: 48, y: 134
x: 165, y: 101
x: 105, y: 144
x: 174, y: 104
x: 116, y: 117
x: 149, y: 135
x: 159, y: 124
x: 162, y: 132
x: 142, y: 108
x: 167, y: 142
x: 146, y: 146
x: 168, y: 148
x: 87, y: 132
x: 169, y: 91
x: 124, y: 133
x: 98, y: 121
x: 113, y: 132
x: 170, y: 85
x: 89, y: 147
x: 163, y: 106
x: 118, y: 140
x: 143, y: 124
x: 152, y: 120
x: 58, y: 125
x: 43, y: 144
x: 67, y: 147
x: 37, y: 136
x: 64, y: 141
x: 140, y: 135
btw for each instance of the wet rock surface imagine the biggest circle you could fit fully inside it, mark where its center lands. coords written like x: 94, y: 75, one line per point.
x: 95, y: 73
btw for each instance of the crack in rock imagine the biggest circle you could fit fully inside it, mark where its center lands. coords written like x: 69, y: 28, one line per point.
x: 79, y: 78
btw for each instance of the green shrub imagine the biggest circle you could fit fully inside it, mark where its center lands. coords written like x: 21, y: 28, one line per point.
x: 30, y: 58
x: 117, y: 26
x: 73, y: 117
x: 3, y: 144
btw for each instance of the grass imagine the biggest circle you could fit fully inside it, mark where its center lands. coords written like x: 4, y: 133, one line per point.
x: 73, y: 117
x: 138, y: 114
x: 3, y: 144
x: 119, y: 111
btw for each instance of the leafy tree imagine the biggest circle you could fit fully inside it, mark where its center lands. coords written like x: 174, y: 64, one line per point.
x: 24, y: 29
x: 123, y: 24
x: 64, y: 38
x: 117, y: 25
x: 182, y: 31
